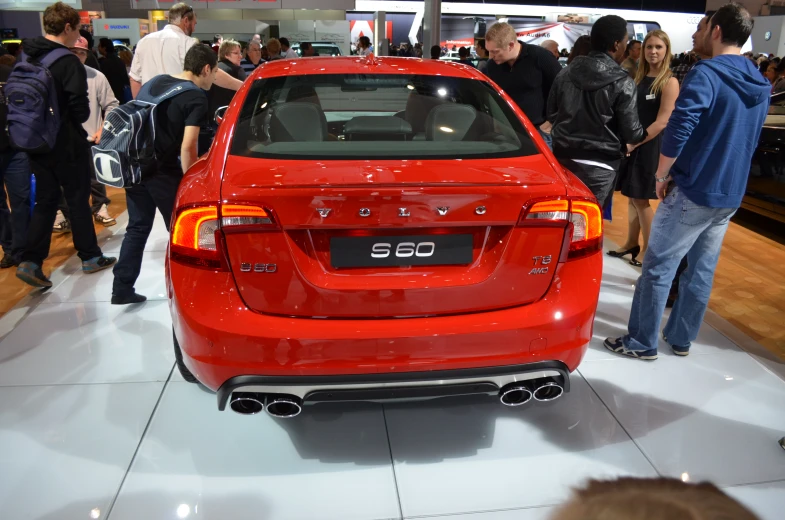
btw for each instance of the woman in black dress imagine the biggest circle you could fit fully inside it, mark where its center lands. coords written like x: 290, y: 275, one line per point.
x: 657, y: 93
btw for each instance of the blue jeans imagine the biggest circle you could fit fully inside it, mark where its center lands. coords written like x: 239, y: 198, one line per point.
x: 680, y: 228
x: 156, y: 192
x: 547, y: 137
x: 15, y: 179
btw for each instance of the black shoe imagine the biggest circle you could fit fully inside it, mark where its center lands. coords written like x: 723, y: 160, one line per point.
x: 31, y: 274
x: 128, y: 299
x: 8, y: 261
x: 631, y: 251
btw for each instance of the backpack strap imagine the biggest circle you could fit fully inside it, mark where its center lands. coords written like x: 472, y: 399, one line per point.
x: 52, y: 56
x: 145, y: 94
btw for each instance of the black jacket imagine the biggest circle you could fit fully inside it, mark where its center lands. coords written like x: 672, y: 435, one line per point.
x: 71, y: 81
x: 117, y: 75
x: 593, y: 107
x: 529, y: 81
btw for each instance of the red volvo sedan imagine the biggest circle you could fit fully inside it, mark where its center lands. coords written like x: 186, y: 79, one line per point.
x: 380, y: 228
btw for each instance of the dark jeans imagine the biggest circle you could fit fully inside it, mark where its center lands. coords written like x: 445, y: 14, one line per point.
x: 68, y: 169
x: 97, y: 191
x: 156, y: 192
x: 600, y: 181
x: 15, y: 179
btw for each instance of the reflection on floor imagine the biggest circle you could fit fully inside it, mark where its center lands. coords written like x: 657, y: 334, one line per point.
x: 749, y: 285
x: 95, y: 423
x: 12, y: 290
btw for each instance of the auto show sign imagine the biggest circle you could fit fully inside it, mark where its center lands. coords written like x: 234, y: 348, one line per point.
x: 334, y: 31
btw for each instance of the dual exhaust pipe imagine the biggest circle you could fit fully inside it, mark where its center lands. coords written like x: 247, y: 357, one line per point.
x: 288, y: 406
x: 281, y: 406
x: 544, y: 389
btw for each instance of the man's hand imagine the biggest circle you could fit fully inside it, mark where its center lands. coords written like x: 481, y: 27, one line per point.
x: 546, y: 127
x: 630, y: 148
x: 97, y: 136
x: 662, y: 186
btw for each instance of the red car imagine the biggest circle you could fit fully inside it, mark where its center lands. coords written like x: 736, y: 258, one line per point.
x: 380, y: 228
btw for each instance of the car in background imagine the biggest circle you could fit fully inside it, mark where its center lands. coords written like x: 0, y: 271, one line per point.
x: 765, y: 192
x: 321, y: 48
x: 379, y: 228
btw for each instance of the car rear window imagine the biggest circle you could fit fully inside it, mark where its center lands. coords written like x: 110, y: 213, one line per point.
x: 377, y: 116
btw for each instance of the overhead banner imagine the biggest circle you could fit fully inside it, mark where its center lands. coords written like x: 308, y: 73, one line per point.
x: 208, y: 4
x: 297, y: 31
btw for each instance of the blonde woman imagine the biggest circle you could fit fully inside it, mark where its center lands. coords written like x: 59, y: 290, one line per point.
x: 657, y: 93
x: 274, y: 48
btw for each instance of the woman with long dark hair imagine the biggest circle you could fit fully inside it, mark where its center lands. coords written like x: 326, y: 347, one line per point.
x: 657, y: 93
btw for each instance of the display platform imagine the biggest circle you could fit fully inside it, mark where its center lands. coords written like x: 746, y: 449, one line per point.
x: 96, y: 423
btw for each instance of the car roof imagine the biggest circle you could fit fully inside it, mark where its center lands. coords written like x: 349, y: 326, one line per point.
x: 365, y: 65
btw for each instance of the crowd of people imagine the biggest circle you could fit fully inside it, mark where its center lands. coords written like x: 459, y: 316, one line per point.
x: 618, y: 116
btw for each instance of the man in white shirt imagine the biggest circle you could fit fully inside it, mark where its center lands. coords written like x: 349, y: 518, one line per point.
x: 286, y: 49
x: 163, y: 52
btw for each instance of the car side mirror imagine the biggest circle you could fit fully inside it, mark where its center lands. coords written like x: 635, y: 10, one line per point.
x: 219, y: 114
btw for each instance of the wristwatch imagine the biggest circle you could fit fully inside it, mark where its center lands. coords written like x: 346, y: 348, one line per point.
x: 663, y: 179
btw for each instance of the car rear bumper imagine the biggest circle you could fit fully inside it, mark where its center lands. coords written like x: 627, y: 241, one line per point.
x: 222, y: 339
x: 394, y: 386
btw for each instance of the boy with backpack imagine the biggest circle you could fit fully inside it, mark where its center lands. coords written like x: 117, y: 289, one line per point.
x: 47, y: 104
x: 15, y: 181
x: 176, y: 108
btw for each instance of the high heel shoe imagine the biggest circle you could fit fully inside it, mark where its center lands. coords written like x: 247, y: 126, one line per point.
x: 631, y: 251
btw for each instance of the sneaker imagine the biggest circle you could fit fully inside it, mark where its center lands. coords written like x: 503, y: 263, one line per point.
x: 8, y: 261
x: 99, y: 263
x: 128, y: 299
x: 679, y: 351
x: 616, y: 345
x: 32, y: 274
x: 102, y: 216
x: 61, y: 225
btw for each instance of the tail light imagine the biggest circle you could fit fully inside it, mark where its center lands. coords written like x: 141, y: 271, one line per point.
x: 581, y: 217
x: 197, y: 233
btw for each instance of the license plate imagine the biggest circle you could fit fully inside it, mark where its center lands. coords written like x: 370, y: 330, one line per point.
x: 395, y: 251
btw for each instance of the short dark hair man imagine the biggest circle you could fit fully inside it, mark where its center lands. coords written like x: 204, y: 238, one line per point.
x: 593, y: 108
x: 286, y: 49
x: 464, y: 55
x: 114, y: 69
x: 67, y: 166
x: 436, y: 52
x: 525, y: 72
x: 307, y: 49
x: 177, y: 135
x: 701, y: 180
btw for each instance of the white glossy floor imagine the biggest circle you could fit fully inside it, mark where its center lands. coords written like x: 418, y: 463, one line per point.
x: 94, y: 423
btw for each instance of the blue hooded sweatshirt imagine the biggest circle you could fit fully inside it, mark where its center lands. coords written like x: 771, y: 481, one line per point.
x: 714, y: 129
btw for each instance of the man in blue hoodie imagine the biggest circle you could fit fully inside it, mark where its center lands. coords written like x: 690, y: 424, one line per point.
x: 701, y: 179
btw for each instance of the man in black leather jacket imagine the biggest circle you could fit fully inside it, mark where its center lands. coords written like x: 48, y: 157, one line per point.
x: 593, y: 109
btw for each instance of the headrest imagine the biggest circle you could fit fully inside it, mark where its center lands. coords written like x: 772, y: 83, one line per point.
x: 449, y: 122
x: 298, y: 122
x: 418, y: 106
x: 303, y: 94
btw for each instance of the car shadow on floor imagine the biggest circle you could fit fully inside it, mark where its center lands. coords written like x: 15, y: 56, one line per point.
x: 459, y: 427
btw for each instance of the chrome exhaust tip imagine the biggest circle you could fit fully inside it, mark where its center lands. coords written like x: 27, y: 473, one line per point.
x: 548, y: 389
x: 515, y: 395
x: 246, y: 403
x: 284, y: 407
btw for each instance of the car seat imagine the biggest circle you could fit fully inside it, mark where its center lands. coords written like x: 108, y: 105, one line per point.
x: 449, y: 122
x: 298, y: 122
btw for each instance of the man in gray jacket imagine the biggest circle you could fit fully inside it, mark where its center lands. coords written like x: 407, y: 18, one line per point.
x: 102, y: 100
